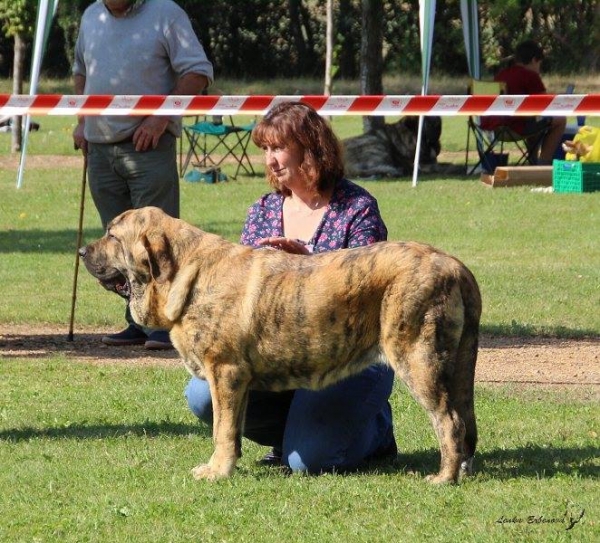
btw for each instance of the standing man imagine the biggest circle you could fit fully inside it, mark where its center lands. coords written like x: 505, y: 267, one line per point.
x: 139, y: 47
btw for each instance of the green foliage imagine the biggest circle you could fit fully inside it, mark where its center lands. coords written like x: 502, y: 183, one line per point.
x: 270, y: 38
x: 68, y: 15
x: 18, y: 16
x: 566, y: 30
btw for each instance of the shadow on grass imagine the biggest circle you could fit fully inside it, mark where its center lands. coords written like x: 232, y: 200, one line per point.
x: 63, y: 241
x: 448, y: 171
x: 43, y: 241
x: 528, y: 331
x: 503, y: 464
x: 106, y: 431
x: 497, y: 464
x: 84, y: 347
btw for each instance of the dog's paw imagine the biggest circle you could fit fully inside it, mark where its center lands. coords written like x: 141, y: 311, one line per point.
x: 466, y: 467
x: 207, y: 473
x: 440, y: 479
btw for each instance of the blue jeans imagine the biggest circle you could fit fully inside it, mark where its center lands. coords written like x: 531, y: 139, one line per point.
x: 335, y: 428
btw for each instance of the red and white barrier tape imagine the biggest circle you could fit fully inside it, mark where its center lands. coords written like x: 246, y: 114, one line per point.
x: 444, y: 105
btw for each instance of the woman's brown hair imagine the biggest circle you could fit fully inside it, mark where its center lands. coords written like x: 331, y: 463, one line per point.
x: 297, y: 123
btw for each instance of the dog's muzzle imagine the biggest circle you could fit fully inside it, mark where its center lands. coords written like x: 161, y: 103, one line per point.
x: 111, y: 279
x: 119, y: 284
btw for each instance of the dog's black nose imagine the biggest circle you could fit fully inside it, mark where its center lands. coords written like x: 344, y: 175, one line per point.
x: 82, y: 252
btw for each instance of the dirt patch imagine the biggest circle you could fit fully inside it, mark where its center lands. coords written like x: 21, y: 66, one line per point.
x: 526, y: 361
x: 44, y: 341
x: 11, y: 162
x: 545, y: 361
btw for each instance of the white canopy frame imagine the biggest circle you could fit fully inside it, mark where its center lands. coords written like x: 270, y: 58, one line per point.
x: 470, y: 23
x: 45, y: 15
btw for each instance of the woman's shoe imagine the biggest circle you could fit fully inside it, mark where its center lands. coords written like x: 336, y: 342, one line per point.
x: 271, y: 459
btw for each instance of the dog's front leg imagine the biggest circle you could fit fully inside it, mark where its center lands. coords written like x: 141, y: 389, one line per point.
x: 229, y: 391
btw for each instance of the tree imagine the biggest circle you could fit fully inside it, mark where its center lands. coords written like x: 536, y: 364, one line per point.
x: 371, y: 56
x: 68, y: 18
x: 264, y: 39
x: 18, y: 21
x: 329, y: 49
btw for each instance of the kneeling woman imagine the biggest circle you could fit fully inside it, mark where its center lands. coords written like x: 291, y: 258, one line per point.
x: 312, y: 209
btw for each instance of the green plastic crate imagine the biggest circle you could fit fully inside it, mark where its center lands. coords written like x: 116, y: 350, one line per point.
x: 575, y: 176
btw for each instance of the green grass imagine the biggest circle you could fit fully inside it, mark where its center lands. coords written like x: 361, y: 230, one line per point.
x: 392, y: 84
x: 103, y: 453
x: 535, y: 255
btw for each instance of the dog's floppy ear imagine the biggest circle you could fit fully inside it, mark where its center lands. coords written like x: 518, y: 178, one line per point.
x: 180, y: 291
x: 160, y: 257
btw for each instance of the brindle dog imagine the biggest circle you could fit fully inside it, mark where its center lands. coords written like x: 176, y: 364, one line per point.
x: 389, y: 151
x: 263, y: 319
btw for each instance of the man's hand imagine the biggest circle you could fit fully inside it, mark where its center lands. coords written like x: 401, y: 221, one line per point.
x: 79, y: 141
x: 149, y: 132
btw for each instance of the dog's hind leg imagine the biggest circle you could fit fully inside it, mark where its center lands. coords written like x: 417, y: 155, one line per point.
x: 427, y: 365
x: 450, y: 431
x: 466, y: 411
x: 463, y: 376
x: 463, y: 389
x: 427, y: 383
x: 229, y: 392
x: 448, y: 347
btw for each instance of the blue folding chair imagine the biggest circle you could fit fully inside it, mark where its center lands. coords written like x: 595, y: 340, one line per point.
x: 211, y: 142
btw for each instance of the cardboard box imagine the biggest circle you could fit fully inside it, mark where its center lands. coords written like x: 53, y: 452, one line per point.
x: 515, y: 176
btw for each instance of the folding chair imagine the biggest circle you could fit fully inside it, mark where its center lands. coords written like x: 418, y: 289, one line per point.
x: 211, y: 142
x: 493, y: 145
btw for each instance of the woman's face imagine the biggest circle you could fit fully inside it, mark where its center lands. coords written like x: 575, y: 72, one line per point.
x: 285, y: 163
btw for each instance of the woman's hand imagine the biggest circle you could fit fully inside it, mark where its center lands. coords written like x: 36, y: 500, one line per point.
x: 294, y: 246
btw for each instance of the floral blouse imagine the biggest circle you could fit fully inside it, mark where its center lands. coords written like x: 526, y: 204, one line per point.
x: 352, y: 219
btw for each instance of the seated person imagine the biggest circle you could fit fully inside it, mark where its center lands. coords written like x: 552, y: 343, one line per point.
x: 523, y: 77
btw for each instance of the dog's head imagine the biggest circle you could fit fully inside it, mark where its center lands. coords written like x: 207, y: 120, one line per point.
x: 136, y: 259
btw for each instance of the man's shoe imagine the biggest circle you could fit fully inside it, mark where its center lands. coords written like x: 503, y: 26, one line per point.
x: 158, y: 341
x: 271, y: 459
x: 132, y: 335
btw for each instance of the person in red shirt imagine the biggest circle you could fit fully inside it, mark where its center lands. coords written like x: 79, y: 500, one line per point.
x: 523, y: 77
